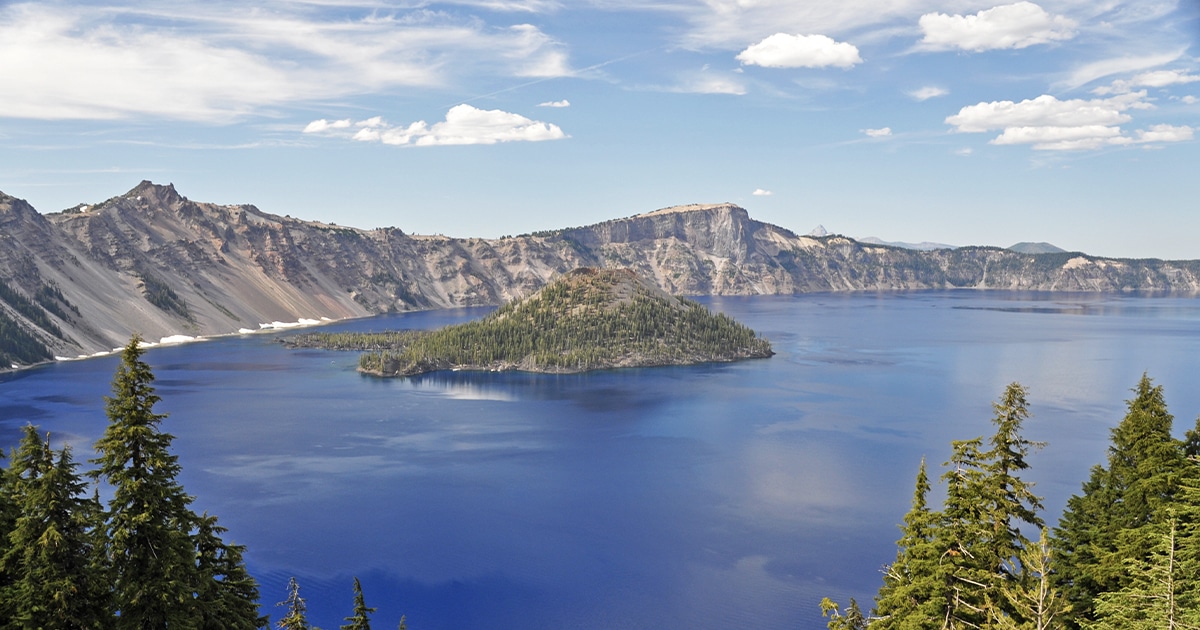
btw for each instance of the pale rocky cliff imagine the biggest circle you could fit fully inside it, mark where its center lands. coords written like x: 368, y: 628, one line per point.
x: 155, y: 262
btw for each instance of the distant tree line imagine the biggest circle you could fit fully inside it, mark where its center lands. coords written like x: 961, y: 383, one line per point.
x: 1125, y: 554
x: 144, y: 560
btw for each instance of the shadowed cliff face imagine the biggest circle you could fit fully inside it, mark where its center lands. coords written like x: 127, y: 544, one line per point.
x: 158, y: 263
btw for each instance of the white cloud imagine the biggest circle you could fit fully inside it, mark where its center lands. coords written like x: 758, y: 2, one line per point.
x: 562, y: 103
x: 1045, y: 135
x: 1154, y: 79
x: 800, y: 51
x: 1047, y: 111
x: 1166, y: 133
x: 878, y: 133
x: 1049, y: 124
x: 928, y: 92
x: 536, y: 54
x: 760, y: 192
x: 1118, y: 65
x: 1017, y: 25
x: 215, y: 63
x: 464, y: 124
x: 1189, y: 100
x: 729, y: 24
x: 322, y: 125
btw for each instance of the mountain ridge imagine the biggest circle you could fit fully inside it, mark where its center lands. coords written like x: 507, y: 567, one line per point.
x: 153, y: 261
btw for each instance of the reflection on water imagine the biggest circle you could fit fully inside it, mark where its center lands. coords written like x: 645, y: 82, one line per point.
x: 726, y: 494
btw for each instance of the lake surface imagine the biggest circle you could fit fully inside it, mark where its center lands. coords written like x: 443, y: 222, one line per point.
x: 730, y: 495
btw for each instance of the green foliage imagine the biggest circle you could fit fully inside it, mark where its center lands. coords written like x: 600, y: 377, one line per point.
x: 226, y: 595
x: 853, y: 619
x: 361, y: 618
x: 29, y: 309
x: 1162, y: 590
x: 1106, y: 526
x: 161, y: 295
x: 148, y: 521
x: 19, y: 346
x: 588, y: 320
x: 913, y: 593
x: 52, y: 561
x: 296, y: 617
x: 51, y: 298
x: 1034, y: 602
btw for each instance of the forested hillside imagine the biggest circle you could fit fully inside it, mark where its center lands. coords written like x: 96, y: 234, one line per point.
x: 588, y: 319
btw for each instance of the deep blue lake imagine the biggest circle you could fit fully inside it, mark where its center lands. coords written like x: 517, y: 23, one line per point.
x: 728, y: 495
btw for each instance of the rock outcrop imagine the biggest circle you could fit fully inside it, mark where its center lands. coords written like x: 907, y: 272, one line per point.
x: 155, y: 262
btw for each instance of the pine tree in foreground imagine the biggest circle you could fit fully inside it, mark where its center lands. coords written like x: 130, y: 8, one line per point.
x: 226, y: 595
x: 1162, y: 592
x: 912, y: 595
x: 296, y: 616
x: 1034, y: 602
x: 153, y: 568
x: 1115, y: 518
x: 361, y: 619
x: 52, y: 558
x: 853, y: 619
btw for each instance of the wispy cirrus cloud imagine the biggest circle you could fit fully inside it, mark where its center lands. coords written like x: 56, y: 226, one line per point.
x: 463, y: 124
x: 221, y: 62
x: 1153, y: 79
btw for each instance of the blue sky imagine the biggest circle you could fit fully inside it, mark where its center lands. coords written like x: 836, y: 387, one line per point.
x: 962, y: 122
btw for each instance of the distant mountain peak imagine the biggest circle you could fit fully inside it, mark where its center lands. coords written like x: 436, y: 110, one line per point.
x: 819, y: 231
x: 1026, y: 247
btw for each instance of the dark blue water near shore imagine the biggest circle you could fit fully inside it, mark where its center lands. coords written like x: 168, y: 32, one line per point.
x: 732, y: 495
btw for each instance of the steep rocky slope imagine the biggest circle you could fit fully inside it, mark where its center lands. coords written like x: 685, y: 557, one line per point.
x: 153, y: 261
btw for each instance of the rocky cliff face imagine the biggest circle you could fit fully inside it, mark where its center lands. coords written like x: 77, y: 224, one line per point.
x: 155, y: 262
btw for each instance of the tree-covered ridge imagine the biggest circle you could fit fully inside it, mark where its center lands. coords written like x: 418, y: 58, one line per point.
x: 588, y: 319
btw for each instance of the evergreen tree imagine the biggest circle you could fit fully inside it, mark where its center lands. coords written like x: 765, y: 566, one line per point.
x: 961, y: 536
x: 1034, y: 602
x: 8, y: 520
x: 226, y: 595
x: 913, y: 595
x: 852, y: 620
x: 52, y: 557
x: 153, y: 565
x: 360, y: 620
x: 296, y: 617
x: 1162, y: 591
x: 1102, y: 528
x: 1010, y: 500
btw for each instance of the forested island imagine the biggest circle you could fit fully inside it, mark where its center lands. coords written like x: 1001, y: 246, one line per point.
x: 588, y: 319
